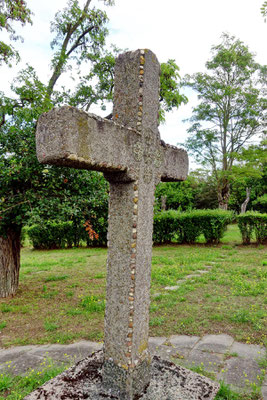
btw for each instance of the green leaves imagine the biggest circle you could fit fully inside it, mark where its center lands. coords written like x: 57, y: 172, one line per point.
x: 170, y: 96
x: 79, y: 35
x: 12, y: 11
x: 231, y: 111
x: 264, y: 10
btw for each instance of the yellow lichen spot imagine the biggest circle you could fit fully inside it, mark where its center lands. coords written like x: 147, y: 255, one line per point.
x: 142, y: 347
x: 142, y: 60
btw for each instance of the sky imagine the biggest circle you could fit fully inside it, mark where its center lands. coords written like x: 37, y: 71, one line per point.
x: 173, y: 29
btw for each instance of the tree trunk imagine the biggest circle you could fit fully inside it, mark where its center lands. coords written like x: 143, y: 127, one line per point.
x: 223, y: 196
x: 163, y: 203
x: 244, y: 205
x: 9, y: 263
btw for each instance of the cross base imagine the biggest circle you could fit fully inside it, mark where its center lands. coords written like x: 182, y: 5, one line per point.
x: 167, y: 381
x: 127, y: 383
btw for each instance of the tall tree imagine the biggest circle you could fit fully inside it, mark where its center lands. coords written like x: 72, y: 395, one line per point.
x: 12, y: 11
x: 26, y: 185
x: 79, y: 35
x: 87, y: 94
x: 231, y: 110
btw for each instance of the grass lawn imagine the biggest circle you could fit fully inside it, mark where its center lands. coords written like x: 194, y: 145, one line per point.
x: 61, y: 296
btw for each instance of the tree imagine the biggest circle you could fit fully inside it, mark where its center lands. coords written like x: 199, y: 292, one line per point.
x: 248, y: 177
x: 264, y: 10
x: 197, y: 192
x: 178, y: 195
x: 87, y: 94
x: 170, y: 96
x: 12, y: 11
x: 204, y: 188
x: 28, y: 190
x: 80, y: 35
x: 231, y: 110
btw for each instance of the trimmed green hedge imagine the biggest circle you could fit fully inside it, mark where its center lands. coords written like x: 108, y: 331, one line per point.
x: 169, y: 226
x: 186, y: 227
x: 59, y: 234
x: 253, y: 222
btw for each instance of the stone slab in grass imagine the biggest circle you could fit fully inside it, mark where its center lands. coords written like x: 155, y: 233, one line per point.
x: 13, y: 353
x: 252, y: 351
x: 240, y: 372
x: 208, y: 361
x: 66, y: 353
x: 157, y: 341
x: 169, y: 352
x: 190, y: 276
x: 172, y: 287
x: 215, y: 343
x: 183, y: 341
x: 202, y: 271
x: 22, y: 364
x: 168, y: 381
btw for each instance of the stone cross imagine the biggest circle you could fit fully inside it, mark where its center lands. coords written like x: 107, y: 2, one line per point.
x: 129, y: 152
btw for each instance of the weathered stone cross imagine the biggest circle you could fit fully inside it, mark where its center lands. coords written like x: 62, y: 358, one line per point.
x: 130, y: 153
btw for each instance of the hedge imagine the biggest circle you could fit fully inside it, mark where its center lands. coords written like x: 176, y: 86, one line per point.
x: 60, y: 234
x: 180, y: 227
x: 186, y: 227
x: 253, y: 222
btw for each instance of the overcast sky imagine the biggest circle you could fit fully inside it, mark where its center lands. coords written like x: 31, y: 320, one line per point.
x: 172, y: 29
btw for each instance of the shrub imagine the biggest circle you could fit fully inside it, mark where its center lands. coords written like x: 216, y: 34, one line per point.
x: 253, y: 222
x: 260, y: 204
x: 214, y: 223
x: 166, y: 227
x: 50, y: 235
x: 61, y: 234
x: 186, y: 227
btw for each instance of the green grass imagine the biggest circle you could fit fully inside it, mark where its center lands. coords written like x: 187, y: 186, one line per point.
x: 17, y: 387
x: 61, y: 297
x: 226, y: 393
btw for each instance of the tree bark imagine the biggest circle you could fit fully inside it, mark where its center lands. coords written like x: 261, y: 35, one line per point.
x: 163, y: 203
x: 245, y: 203
x: 223, y: 196
x: 9, y: 263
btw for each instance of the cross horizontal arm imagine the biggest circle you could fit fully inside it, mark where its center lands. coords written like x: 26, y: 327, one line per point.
x: 175, y: 167
x: 70, y: 137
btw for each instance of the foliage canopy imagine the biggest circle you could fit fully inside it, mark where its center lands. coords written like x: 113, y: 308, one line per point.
x: 231, y: 111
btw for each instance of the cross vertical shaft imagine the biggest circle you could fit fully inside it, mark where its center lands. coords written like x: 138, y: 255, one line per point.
x: 127, y: 364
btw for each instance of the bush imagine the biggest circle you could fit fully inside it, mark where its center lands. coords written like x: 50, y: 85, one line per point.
x: 253, y: 222
x: 186, y: 227
x: 167, y: 227
x: 260, y: 204
x: 61, y: 234
x: 214, y: 223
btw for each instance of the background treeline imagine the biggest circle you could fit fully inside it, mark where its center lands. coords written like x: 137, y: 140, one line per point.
x: 199, y: 191
x: 76, y: 214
